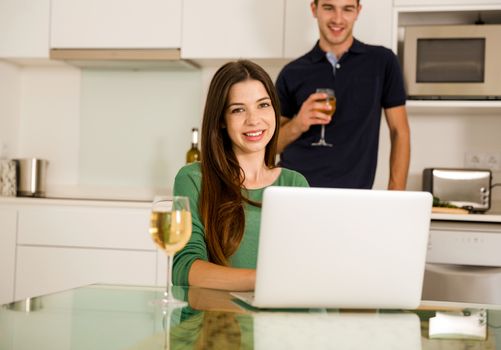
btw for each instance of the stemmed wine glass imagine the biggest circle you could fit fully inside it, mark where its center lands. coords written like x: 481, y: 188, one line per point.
x: 331, y: 100
x: 170, y: 229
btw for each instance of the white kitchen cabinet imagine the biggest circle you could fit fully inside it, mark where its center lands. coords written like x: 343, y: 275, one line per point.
x: 301, y: 29
x: 232, y: 29
x: 375, y: 23
x: 65, y: 246
x: 445, y: 2
x: 85, y: 226
x: 8, y: 218
x: 133, y: 24
x: 24, y: 29
x: 42, y: 270
x: 52, y: 245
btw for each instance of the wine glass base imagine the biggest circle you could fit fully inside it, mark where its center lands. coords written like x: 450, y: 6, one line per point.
x: 321, y: 143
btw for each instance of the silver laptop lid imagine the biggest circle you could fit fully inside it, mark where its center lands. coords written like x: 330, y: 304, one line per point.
x: 342, y: 248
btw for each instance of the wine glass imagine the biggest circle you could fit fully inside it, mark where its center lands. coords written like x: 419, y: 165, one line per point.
x: 170, y: 229
x: 330, y: 100
x: 166, y: 326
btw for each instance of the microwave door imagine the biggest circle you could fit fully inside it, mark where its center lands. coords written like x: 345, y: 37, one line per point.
x: 450, y: 61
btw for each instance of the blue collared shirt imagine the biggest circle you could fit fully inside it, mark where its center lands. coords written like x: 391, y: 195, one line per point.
x: 367, y: 78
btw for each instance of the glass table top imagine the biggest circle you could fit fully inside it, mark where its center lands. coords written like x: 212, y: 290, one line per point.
x: 126, y: 317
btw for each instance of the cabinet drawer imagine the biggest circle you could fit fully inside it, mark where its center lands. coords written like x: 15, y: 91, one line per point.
x: 120, y: 228
x: 42, y: 270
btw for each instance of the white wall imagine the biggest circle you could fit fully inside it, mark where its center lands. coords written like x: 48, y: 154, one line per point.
x: 441, y: 140
x: 122, y: 134
x: 106, y: 133
x: 49, y: 120
x: 9, y: 108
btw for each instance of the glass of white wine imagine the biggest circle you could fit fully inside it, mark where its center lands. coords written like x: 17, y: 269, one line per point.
x: 170, y: 229
x: 330, y: 100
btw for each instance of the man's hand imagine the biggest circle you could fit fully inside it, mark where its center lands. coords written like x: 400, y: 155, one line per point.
x: 314, y: 110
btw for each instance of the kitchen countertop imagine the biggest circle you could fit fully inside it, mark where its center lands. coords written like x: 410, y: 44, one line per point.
x: 75, y: 201
x: 143, y: 198
x: 490, y: 217
x: 93, y: 196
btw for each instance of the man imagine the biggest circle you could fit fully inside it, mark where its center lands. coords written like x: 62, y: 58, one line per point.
x: 365, y: 79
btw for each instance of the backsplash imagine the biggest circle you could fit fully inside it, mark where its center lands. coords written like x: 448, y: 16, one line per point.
x: 135, y: 126
x: 117, y: 133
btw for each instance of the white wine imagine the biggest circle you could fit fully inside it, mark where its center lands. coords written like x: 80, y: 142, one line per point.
x: 332, y: 102
x: 193, y: 154
x: 170, y: 230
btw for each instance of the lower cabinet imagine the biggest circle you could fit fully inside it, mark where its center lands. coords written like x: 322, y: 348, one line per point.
x: 53, y: 245
x: 8, y: 217
x: 42, y: 270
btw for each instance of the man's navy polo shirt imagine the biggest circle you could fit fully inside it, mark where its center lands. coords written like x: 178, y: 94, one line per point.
x: 367, y: 79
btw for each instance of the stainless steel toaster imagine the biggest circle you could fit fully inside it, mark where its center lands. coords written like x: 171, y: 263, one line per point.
x: 465, y: 188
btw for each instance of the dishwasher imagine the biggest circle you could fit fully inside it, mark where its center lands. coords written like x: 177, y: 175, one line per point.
x: 463, y: 262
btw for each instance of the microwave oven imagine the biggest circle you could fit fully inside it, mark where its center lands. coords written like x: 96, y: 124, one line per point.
x: 453, y: 62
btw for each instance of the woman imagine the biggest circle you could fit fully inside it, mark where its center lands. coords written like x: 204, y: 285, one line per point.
x: 239, y: 141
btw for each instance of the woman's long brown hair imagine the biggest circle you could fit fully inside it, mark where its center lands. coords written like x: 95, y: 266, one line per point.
x: 221, y: 200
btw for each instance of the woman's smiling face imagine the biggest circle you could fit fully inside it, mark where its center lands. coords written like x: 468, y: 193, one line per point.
x: 249, y: 117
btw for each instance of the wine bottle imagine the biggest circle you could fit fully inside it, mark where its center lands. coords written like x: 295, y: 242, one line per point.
x: 193, y: 153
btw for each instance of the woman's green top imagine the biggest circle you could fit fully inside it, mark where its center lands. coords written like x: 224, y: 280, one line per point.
x: 188, y: 183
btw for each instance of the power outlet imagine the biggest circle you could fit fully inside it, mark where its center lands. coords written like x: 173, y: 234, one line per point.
x: 483, y: 160
x: 474, y: 160
x: 493, y: 161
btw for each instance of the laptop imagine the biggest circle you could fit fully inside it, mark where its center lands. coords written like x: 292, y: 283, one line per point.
x: 341, y: 248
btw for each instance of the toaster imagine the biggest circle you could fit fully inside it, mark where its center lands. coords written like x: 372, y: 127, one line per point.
x: 465, y: 188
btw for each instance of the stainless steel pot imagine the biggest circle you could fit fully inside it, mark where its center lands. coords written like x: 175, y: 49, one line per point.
x: 31, y: 173
x: 26, y: 305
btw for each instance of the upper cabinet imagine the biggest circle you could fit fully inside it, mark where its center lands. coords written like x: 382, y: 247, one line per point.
x: 301, y: 30
x: 24, y: 28
x: 255, y: 29
x: 475, y: 3
x: 260, y: 29
x: 375, y: 22
x: 8, y: 222
x: 232, y: 29
x: 131, y: 24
